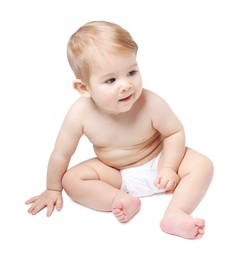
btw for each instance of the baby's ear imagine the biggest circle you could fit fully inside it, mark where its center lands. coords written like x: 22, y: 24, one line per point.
x: 81, y: 88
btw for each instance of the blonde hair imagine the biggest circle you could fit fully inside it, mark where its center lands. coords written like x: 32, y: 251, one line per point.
x: 96, y: 38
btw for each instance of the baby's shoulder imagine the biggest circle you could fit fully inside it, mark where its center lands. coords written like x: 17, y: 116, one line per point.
x: 80, y: 105
x: 152, y: 98
x: 78, y: 110
x: 156, y: 106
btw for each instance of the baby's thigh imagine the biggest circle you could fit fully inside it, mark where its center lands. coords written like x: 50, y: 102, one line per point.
x: 94, y: 169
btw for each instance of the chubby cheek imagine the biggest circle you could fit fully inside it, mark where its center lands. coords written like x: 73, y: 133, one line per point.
x: 138, y: 85
x: 138, y: 82
x: 104, y: 98
x: 108, y: 100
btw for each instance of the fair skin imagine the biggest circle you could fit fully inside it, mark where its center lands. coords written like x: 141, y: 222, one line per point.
x: 128, y: 126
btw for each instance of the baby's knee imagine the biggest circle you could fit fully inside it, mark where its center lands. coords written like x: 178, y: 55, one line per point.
x: 196, y: 163
x: 205, y: 168
x: 208, y: 166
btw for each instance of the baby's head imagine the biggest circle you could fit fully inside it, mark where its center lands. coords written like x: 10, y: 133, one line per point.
x: 94, y: 41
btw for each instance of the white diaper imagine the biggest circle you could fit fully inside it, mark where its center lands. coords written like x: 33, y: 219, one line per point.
x: 138, y: 181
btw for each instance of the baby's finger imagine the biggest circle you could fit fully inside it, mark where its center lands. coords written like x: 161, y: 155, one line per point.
x: 59, y: 205
x: 50, y: 208
x: 170, y: 185
x: 31, y: 208
x: 157, y: 182
x: 35, y: 208
x: 31, y: 200
x: 161, y: 184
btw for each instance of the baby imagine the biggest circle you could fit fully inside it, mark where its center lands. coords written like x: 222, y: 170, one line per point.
x: 138, y: 140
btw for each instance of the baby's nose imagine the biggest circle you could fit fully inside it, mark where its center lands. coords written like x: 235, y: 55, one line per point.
x: 125, y: 86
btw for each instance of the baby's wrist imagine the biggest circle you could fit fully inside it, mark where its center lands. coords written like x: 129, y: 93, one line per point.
x: 53, y: 189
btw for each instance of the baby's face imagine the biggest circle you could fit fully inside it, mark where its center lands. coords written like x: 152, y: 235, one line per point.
x: 115, y: 83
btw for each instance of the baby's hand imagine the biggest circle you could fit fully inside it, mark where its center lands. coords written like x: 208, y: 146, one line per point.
x: 167, y: 179
x: 49, y: 198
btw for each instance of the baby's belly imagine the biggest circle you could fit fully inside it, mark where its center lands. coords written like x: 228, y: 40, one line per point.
x: 122, y: 157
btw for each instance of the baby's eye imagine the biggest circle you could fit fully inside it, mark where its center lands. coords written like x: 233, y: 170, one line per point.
x: 132, y: 73
x: 110, y: 81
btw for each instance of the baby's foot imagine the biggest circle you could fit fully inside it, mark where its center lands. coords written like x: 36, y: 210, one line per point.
x: 183, y: 225
x: 125, y: 207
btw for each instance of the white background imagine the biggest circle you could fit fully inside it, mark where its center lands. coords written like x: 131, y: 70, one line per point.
x: 191, y: 53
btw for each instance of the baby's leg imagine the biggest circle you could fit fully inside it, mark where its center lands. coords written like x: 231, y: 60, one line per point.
x: 196, y: 173
x: 97, y: 186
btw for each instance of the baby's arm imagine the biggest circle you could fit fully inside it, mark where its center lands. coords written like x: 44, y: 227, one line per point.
x: 166, y: 122
x: 173, y: 153
x: 66, y: 143
x: 52, y: 196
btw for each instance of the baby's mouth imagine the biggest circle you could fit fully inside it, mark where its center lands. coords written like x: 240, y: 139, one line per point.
x: 125, y: 99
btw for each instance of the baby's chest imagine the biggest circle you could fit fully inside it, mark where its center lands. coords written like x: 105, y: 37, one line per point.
x: 102, y: 134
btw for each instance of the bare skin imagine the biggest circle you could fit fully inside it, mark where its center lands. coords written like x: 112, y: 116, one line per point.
x: 177, y: 219
x: 128, y: 126
x: 124, y: 207
x: 196, y: 172
x: 183, y: 225
x: 102, y: 192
